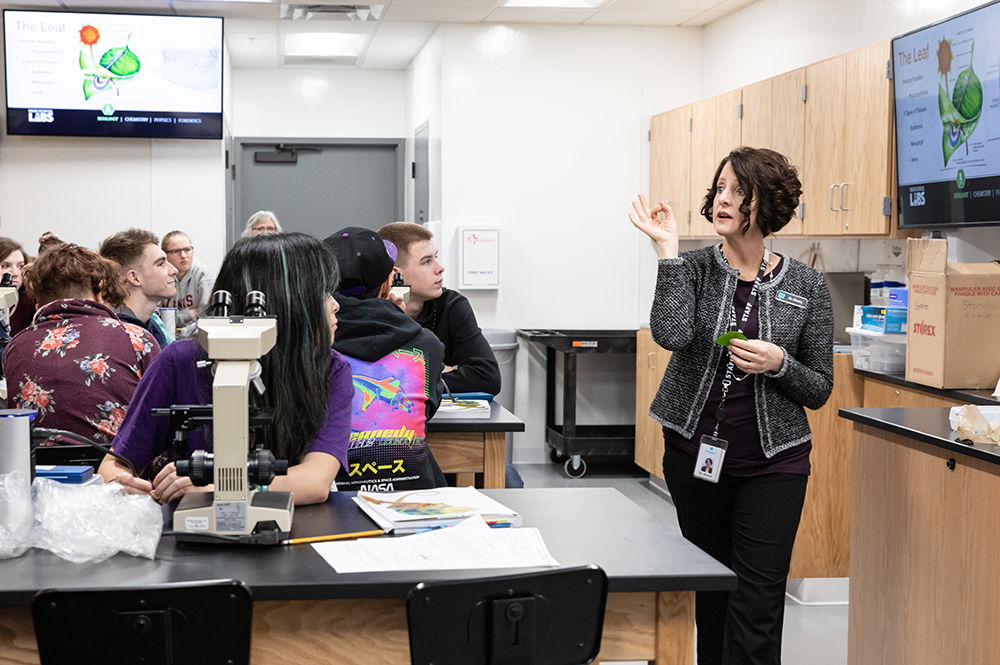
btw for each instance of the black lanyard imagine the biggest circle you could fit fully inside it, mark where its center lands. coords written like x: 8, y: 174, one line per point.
x: 727, y: 380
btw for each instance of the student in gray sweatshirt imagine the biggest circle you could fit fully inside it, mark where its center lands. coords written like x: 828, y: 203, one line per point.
x: 194, y: 282
x: 737, y: 442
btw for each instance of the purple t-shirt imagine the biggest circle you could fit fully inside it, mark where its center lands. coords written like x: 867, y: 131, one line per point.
x: 173, y: 378
x: 745, y: 456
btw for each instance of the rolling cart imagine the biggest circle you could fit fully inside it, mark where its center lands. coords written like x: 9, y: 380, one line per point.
x: 569, y: 443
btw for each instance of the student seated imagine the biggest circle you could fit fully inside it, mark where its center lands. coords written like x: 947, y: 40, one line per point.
x: 13, y: 259
x: 395, y: 364
x: 470, y: 365
x: 148, y: 278
x: 194, y: 282
x: 262, y: 222
x: 306, y: 382
x: 77, y: 364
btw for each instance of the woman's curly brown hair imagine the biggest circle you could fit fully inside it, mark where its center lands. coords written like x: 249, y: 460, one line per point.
x: 71, y: 271
x: 766, y: 175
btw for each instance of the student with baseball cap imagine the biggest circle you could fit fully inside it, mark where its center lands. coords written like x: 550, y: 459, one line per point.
x: 396, y: 366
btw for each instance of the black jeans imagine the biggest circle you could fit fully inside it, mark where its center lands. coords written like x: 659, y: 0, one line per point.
x: 748, y: 525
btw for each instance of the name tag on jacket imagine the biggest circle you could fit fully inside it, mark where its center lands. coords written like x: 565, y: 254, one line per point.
x: 791, y: 299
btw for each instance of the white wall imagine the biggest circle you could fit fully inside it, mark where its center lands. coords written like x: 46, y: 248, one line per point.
x: 773, y: 36
x: 543, y: 134
x: 318, y: 103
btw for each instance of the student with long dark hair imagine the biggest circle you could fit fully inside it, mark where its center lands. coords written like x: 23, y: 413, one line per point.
x: 308, y: 384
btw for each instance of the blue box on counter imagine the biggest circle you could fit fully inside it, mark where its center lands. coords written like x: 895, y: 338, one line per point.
x: 65, y: 473
x: 883, y: 319
x: 899, y: 298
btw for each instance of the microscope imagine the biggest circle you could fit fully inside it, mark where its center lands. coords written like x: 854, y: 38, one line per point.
x: 8, y: 297
x: 234, y: 511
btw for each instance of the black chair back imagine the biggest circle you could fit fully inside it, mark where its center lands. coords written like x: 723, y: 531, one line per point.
x: 544, y: 618
x: 176, y: 624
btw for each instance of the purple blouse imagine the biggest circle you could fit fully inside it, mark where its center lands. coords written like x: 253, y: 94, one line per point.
x: 175, y: 379
x: 745, y: 456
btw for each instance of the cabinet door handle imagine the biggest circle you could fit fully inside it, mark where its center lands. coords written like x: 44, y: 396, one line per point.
x: 649, y: 360
x: 843, y: 195
x: 832, y: 187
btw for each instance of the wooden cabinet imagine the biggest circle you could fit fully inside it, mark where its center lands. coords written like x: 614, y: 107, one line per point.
x: 774, y: 116
x: 669, y: 162
x: 847, y: 163
x: 650, y: 363
x: 831, y: 119
x: 822, y: 543
x: 885, y: 395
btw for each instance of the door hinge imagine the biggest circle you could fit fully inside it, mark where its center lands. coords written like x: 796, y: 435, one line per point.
x: 689, y: 221
x: 739, y: 110
x: 888, y: 69
x: 413, y: 170
x: 690, y: 124
x: 802, y: 210
x: 886, y: 205
x: 649, y: 136
x: 805, y: 88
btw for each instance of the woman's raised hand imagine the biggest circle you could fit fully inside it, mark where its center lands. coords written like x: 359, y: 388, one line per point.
x: 659, y: 224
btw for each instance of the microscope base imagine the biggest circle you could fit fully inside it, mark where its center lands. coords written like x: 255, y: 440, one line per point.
x: 200, y: 512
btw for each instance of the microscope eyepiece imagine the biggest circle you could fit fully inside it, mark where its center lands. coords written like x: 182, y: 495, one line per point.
x: 222, y: 303
x: 8, y: 280
x: 255, y: 304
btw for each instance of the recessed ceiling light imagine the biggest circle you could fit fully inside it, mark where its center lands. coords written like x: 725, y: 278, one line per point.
x: 555, y: 4
x: 324, y: 44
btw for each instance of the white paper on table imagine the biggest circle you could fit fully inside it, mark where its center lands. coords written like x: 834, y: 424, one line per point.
x: 468, y: 545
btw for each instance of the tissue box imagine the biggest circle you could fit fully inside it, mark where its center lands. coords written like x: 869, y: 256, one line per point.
x: 883, y: 319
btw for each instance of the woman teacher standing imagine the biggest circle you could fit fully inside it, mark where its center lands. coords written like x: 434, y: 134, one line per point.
x: 737, y: 442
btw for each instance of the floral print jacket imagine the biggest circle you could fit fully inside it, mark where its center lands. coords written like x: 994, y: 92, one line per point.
x: 77, y: 365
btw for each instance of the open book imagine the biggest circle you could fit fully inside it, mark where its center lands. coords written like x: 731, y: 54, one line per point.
x: 463, y: 408
x: 419, y: 510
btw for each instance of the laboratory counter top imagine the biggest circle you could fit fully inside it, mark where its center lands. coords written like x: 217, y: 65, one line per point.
x: 499, y: 420
x: 580, y: 526
x: 965, y: 395
x: 929, y: 426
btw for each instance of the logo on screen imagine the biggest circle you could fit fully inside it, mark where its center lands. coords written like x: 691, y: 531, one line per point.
x: 41, y: 115
x: 917, y: 197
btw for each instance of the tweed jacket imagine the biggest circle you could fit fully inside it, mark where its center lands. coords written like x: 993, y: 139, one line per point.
x: 691, y: 308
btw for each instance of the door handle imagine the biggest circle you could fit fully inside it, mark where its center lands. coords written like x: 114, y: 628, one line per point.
x: 843, y: 195
x: 832, y: 187
x: 649, y: 360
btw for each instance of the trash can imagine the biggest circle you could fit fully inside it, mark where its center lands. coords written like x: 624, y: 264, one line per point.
x: 504, y: 346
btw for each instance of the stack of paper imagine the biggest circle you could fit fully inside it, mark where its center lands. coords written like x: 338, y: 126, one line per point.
x: 463, y: 408
x: 469, y: 545
x: 420, y: 510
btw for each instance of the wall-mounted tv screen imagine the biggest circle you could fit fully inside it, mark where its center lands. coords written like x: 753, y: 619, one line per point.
x: 945, y: 82
x: 143, y: 76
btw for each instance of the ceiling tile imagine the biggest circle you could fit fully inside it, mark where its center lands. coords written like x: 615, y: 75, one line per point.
x: 438, y: 14
x: 243, y: 10
x: 707, y: 17
x: 406, y: 28
x: 392, y: 51
x: 488, y: 4
x: 117, y: 5
x: 614, y: 17
x: 532, y: 15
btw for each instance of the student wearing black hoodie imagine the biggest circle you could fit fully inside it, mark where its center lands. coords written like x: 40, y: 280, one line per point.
x: 396, y: 366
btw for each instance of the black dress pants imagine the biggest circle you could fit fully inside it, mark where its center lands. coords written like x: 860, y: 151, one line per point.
x: 748, y: 525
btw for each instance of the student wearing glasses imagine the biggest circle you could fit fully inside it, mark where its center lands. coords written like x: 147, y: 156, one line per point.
x: 194, y: 281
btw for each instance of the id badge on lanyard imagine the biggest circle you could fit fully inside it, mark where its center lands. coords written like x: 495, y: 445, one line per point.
x: 712, y: 449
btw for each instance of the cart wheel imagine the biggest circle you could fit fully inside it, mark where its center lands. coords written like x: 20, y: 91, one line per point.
x: 575, y: 471
x: 556, y: 456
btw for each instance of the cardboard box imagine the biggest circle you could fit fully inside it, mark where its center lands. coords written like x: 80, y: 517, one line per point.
x: 954, y: 311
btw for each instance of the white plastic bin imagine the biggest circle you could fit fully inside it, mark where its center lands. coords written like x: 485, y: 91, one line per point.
x: 878, y: 351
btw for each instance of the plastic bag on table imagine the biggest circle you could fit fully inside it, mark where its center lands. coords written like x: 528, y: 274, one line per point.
x: 979, y: 424
x: 89, y: 523
x: 15, y: 514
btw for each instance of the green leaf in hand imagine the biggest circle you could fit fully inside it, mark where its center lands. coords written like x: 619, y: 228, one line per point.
x: 725, y: 338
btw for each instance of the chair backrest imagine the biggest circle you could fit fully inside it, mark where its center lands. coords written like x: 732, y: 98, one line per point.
x: 544, y: 618
x: 199, y: 622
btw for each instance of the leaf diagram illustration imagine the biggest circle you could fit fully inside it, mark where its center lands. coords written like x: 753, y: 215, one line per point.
x: 115, y: 65
x: 960, y: 110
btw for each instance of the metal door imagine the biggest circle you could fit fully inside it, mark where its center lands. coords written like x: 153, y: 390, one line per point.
x: 421, y: 172
x: 317, y: 186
